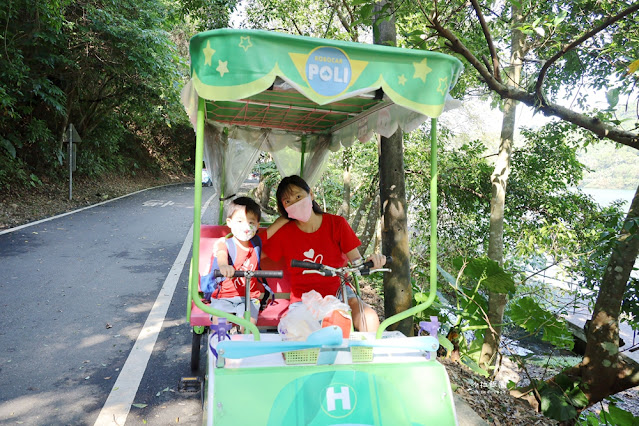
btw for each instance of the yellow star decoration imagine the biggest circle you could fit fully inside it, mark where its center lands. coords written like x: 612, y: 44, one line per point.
x: 421, y: 70
x: 401, y: 80
x: 443, y: 85
x: 208, y: 53
x: 222, y: 67
x: 245, y: 43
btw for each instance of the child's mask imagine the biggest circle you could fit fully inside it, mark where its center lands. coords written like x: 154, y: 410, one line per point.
x: 301, y: 210
x: 243, y: 231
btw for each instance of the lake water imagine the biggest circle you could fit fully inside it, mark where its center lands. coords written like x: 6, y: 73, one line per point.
x: 605, y: 197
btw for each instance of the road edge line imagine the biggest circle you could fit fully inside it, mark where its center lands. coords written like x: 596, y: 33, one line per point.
x: 118, y: 404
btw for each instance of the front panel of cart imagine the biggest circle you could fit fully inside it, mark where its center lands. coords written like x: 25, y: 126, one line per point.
x: 357, y: 394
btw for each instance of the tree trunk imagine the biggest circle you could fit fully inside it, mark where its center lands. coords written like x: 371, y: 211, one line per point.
x: 397, y: 287
x: 263, y: 193
x: 371, y: 192
x: 602, y: 371
x: 499, y: 178
x: 601, y: 368
x: 345, y: 208
x: 398, y: 294
x: 371, y: 226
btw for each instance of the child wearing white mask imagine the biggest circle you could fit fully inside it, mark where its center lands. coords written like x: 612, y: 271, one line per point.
x: 240, y: 251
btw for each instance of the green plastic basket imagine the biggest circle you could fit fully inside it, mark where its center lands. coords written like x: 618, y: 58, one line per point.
x: 361, y: 353
x: 303, y: 356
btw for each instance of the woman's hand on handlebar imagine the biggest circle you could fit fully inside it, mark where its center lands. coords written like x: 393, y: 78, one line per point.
x: 378, y: 260
x: 227, y: 270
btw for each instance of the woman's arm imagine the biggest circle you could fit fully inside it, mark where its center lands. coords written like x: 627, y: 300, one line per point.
x: 275, y: 226
x: 379, y: 260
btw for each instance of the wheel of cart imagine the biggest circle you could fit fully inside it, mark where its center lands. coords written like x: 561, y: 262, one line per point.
x: 298, y: 99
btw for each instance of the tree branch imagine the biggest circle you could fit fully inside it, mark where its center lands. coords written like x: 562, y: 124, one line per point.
x: 469, y: 190
x: 593, y: 124
x: 489, y: 40
x: 568, y: 47
x: 299, y: 31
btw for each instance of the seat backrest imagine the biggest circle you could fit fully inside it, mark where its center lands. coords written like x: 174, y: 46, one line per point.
x: 209, y: 234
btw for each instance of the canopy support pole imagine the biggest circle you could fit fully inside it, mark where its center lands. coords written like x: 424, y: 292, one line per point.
x: 433, y: 239
x: 197, y: 214
x: 220, y: 220
x: 433, y: 212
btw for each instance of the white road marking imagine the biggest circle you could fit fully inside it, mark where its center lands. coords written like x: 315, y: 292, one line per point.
x: 26, y: 225
x: 118, y: 404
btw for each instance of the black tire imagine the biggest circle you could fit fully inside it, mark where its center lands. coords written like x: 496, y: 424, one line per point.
x: 195, y: 351
x: 202, y: 394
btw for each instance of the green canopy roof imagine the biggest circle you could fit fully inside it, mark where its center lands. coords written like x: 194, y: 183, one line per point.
x: 306, y: 85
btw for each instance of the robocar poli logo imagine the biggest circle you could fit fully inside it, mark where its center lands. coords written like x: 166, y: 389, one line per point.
x: 328, y: 71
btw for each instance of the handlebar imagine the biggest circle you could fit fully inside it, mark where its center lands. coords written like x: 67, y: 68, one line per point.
x: 307, y: 265
x: 256, y: 274
x: 329, y: 271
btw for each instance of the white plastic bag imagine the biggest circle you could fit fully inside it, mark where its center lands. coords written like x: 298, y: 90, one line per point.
x: 298, y: 323
x: 322, y: 307
x: 306, y: 317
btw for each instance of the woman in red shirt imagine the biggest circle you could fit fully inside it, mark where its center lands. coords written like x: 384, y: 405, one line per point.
x: 315, y: 236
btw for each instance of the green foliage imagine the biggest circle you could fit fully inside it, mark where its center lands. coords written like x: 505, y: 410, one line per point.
x: 206, y: 14
x: 487, y: 272
x: 614, y: 416
x: 472, y: 364
x: 528, y: 314
x: 333, y: 20
x: 463, y: 196
x: 559, y: 398
x: 110, y: 69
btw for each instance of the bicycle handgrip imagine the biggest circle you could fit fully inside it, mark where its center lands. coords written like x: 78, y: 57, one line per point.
x: 306, y: 265
x: 369, y: 264
x: 256, y: 274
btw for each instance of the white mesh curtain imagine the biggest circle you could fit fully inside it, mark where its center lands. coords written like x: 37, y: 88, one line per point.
x: 242, y: 146
x: 240, y: 157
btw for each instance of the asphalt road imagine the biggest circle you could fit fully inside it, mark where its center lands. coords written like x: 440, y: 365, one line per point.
x: 76, y: 293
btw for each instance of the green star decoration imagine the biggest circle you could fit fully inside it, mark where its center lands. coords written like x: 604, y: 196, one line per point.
x: 245, y: 43
x: 401, y: 80
x: 222, y: 67
x: 421, y: 70
x: 208, y: 53
x: 443, y: 85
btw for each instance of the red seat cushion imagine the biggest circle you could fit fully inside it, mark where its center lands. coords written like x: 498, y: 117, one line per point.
x: 271, y: 316
x: 209, y: 234
x: 199, y: 317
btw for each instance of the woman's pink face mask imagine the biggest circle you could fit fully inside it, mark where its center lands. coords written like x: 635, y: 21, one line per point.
x: 301, y: 210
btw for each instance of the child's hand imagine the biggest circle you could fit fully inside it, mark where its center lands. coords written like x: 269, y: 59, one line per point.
x: 227, y: 270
